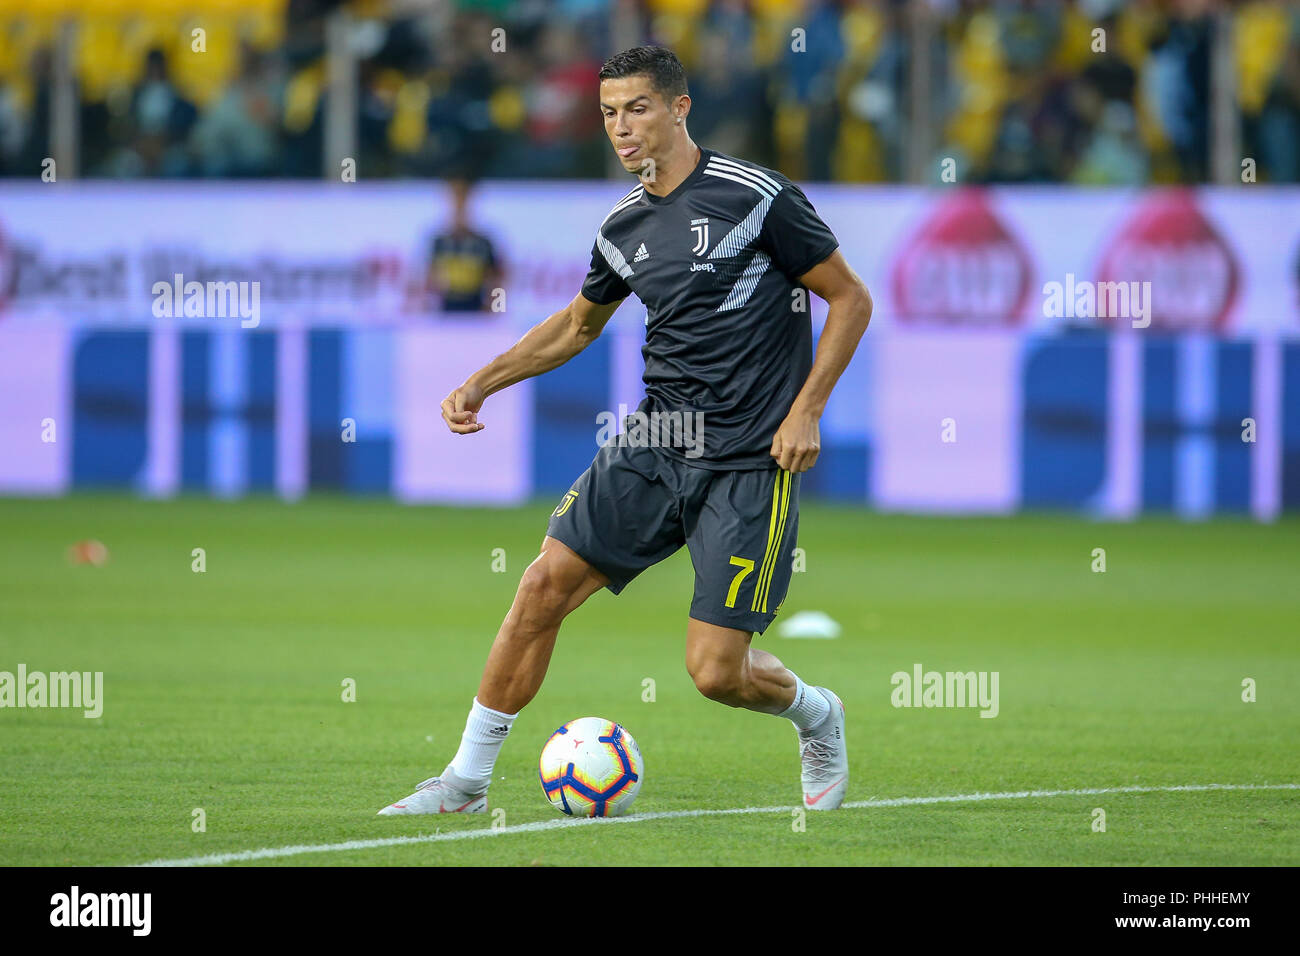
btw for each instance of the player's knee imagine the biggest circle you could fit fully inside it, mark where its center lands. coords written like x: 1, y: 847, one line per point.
x: 544, y: 593
x: 718, y: 682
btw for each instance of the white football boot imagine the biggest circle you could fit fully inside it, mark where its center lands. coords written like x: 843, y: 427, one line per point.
x: 441, y: 794
x: 825, y: 759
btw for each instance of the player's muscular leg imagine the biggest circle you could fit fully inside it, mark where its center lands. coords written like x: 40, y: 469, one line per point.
x: 557, y: 582
x: 726, y: 669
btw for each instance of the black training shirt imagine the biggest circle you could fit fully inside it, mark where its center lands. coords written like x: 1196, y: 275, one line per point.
x: 716, y: 263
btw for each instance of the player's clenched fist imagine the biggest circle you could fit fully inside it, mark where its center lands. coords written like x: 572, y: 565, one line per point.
x: 460, y: 409
x: 797, y: 442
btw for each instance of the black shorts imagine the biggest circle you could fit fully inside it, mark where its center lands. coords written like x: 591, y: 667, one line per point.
x: 637, y: 505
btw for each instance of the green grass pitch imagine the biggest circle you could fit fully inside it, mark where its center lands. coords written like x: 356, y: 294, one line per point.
x: 223, y: 689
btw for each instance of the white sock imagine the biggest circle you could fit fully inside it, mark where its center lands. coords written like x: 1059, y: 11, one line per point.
x: 810, y: 706
x: 485, y: 731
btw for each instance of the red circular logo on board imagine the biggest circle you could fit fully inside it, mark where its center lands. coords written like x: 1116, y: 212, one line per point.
x: 962, y: 267
x: 1192, y: 270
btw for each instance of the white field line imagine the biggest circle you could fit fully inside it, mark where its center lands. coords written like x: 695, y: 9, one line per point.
x: 273, y: 852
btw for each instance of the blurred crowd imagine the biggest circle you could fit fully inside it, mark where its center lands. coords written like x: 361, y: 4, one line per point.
x: 1079, y: 91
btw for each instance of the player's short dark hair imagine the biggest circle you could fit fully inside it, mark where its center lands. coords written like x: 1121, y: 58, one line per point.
x: 667, y: 75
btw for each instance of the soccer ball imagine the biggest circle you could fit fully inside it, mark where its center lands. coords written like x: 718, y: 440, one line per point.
x: 591, y: 768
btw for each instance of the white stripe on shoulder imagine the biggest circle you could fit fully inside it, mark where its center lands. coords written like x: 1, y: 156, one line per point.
x: 623, y: 203
x: 752, y: 170
x: 736, y: 177
x: 613, y: 256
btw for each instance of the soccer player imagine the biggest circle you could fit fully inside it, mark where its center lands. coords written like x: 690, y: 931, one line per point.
x: 721, y: 252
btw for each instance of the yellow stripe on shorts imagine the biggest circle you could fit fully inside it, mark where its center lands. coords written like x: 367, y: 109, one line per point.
x: 775, y: 529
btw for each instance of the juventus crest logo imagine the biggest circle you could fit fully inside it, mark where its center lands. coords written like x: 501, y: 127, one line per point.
x: 563, y: 506
x: 701, y: 229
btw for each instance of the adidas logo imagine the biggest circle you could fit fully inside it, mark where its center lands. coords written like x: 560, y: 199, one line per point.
x: 641, y: 253
x: 499, y: 731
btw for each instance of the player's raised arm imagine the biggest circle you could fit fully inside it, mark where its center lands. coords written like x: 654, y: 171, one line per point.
x: 545, y: 346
